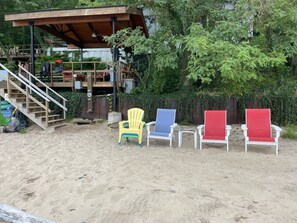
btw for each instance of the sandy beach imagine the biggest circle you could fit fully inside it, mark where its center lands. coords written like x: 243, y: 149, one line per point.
x: 79, y: 173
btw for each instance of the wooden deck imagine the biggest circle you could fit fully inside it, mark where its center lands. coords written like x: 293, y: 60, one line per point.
x: 84, y: 84
x: 100, y: 73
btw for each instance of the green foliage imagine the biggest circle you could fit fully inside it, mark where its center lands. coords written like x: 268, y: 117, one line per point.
x: 190, y: 106
x: 290, y: 132
x: 275, y: 25
x: 23, y: 130
x: 231, y: 63
x: 53, y: 56
x: 75, y: 103
x: 197, y: 42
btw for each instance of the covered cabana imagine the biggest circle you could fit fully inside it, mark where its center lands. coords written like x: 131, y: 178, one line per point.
x: 82, y: 28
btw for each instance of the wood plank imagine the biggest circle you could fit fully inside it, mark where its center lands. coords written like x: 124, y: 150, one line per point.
x: 84, y: 84
x: 67, y: 13
x: 69, y: 20
x: 11, y: 214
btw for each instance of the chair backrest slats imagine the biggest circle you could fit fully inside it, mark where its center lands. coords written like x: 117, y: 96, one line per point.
x: 258, y: 122
x: 215, y: 122
x: 135, y: 116
x: 165, y: 118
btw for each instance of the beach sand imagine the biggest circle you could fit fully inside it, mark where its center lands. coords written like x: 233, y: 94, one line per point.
x: 79, y: 173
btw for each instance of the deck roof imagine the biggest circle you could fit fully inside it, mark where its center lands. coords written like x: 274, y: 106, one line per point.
x: 82, y: 28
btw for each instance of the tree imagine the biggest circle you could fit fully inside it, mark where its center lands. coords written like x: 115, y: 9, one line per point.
x: 224, y: 52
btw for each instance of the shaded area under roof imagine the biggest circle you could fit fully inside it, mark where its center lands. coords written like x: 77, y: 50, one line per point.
x: 82, y: 28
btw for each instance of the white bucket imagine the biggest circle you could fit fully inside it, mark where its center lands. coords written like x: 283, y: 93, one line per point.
x: 114, y: 117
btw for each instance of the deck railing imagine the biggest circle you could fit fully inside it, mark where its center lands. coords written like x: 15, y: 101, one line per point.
x: 78, y: 71
x: 16, y: 81
x: 29, y: 79
x: 11, y: 79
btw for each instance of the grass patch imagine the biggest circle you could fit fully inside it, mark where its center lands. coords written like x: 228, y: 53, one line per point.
x: 23, y: 130
x: 290, y: 132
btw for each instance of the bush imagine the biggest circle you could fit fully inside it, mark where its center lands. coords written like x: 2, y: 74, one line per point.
x: 290, y: 132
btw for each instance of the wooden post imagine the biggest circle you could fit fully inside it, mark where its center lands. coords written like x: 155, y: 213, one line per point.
x: 46, y: 113
x: 51, y: 72
x: 114, y: 58
x: 90, y: 92
x: 64, y: 112
x: 94, y: 72
x: 27, y: 99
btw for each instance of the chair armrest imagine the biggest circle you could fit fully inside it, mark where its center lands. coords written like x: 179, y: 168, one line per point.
x: 244, y: 128
x: 122, y: 123
x: 172, y: 127
x: 142, y: 125
x: 228, y: 129
x: 278, y: 130
x: 151, y: 123
x: 148, y: 125
x: 200, y: 127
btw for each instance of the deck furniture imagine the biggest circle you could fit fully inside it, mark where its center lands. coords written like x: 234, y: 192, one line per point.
x: 257, y: 130
x: 215, y: 128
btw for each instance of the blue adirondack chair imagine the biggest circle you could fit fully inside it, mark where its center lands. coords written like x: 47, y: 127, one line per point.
x: 164, y: 125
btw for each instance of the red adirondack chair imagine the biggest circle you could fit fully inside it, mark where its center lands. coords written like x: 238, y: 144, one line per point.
x: 215, y: 128
x: 257, y: 129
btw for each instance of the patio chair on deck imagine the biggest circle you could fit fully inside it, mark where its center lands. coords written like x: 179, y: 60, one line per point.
x: 257, y: 129
x: 164, y: 125
x: 133, y: 127
x: 215, y: 128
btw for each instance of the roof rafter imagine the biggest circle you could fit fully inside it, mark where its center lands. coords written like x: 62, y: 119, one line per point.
x: 61, y: 35
x: 70, y: 27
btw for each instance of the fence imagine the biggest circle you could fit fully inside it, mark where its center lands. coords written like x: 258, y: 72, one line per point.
x: 190, y: 108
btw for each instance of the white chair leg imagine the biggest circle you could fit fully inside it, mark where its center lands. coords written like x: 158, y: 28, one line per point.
x: 276, y: 149
x: 200, y: 144
x: 227, y: 146
x: 148, y: 141
x: 171, y: 142
x: 245, y: 147
x: 179, y: 139
x: 195, y: 140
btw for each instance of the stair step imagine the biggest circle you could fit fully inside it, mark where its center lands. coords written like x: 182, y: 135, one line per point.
x: 38, y: 113
x: 13, y: 90
x: 51, y: 117
x: 34, y: 110
x: 16, y: 95
x: 50, y: 122
x: 23, y: 99
x: 31, y: 104
x: 34, y: 107
x: 58, y: 125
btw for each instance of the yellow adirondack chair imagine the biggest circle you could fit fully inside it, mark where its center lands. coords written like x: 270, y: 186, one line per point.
x: 133, y: 127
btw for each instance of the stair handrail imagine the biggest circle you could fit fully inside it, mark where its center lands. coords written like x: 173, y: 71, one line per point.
x: 43, y: 84
x: 23, y: 82
x: 42, y: 92
x: 47, y: 88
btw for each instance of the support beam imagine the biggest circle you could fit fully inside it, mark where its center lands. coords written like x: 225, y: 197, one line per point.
x: 99, y: 38
x: 70, y: 27
x: 61, y: 35
x: 114, y: 60
x: 32, y: 48
x: 81, y: 58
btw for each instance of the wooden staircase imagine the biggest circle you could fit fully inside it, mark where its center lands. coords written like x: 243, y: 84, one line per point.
x: 32, y: 101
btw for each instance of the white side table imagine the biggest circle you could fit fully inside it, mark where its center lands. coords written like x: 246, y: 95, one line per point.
x: 184, y: 130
